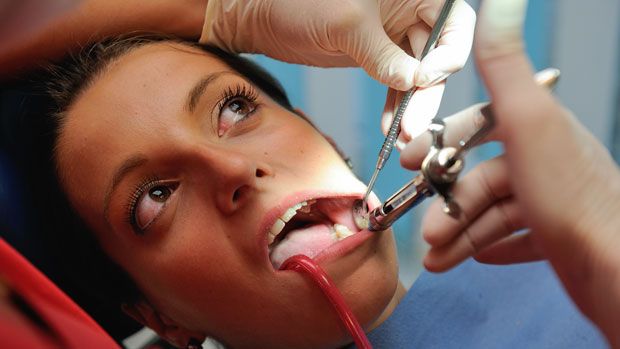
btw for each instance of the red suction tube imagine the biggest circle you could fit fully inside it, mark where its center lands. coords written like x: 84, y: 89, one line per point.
x: 304, y: 264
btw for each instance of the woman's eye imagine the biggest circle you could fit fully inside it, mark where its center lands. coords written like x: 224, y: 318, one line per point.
x: 150, y: 205
x: 234, y: 111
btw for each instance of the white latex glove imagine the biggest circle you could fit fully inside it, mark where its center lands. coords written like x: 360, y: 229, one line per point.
x: 374, y: 34
x: 555, y: 179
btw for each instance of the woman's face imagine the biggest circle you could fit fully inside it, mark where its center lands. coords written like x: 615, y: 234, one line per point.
x: 185, y: 170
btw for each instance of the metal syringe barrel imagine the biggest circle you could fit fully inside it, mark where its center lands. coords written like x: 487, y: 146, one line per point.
x: 409, y: 196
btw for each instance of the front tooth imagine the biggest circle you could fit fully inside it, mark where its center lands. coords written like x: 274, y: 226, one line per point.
x: 275, y: 230
x: 289, y: 214
x: 342, y: 231
x: 270, y: 239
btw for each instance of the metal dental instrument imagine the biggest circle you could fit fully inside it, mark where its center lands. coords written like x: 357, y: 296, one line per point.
x: 439, y: 171
x: 392, y: 136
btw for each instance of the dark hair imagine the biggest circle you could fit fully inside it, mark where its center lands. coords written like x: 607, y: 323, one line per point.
x: 88, y: 275
x: 73, y: 76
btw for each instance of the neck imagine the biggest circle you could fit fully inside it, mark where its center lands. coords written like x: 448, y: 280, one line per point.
x: 398, y: 296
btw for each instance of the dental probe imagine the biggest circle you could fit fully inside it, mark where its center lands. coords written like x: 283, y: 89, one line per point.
x: 439, y: 171
x: 392, y: 136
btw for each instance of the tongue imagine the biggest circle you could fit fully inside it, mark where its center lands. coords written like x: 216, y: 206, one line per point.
x: 309, y: 241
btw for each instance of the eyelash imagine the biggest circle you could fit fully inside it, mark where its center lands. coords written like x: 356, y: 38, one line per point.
x: 239, y: 90
x: 246, y: 91
x: 135, y: 195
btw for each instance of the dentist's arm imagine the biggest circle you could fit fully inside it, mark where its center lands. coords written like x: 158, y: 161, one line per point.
x: 555, y: 179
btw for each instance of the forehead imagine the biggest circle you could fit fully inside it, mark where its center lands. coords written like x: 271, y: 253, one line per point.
x: 148, y: 81
x: 139, y: 95
x: 150, y: 76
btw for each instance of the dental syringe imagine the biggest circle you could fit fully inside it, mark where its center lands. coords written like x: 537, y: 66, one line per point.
x: 439, y: 171
x: 392, y: 135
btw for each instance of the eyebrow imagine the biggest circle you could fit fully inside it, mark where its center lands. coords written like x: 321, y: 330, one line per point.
x: 130, y: 164
x: 200, y: 87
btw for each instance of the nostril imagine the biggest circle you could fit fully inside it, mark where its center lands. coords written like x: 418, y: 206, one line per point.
x: 260, y: 173
x: 236, y: 195
x: 240, y: 193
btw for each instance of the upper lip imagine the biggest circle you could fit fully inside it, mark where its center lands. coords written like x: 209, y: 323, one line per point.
x: 278, y: 210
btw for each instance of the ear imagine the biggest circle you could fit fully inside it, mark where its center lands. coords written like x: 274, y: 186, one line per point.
x: 331, y: 141
x: 143, y: 312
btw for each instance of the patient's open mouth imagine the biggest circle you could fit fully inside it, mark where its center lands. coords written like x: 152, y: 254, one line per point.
x: 310, y: 227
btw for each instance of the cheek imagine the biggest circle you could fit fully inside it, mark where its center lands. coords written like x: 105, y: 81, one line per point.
x: 305, y: 147
x: 184, y: 271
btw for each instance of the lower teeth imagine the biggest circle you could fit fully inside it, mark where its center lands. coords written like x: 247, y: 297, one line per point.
x: 340, y: 232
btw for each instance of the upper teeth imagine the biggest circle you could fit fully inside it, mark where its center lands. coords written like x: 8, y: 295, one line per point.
x: 290, y: 213
x: 339, y: 231
x: 282, y: 220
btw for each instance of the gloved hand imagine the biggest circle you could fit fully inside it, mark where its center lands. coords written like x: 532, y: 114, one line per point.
x: 554, y: 178
x: 378, y: 35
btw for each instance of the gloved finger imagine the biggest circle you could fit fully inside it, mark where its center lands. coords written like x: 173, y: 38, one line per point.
x: 417, y: 35
x: 401, y: 141
x: 518, y: 248
x: 458, y: 126
x: 454, y: 44
x: 388, y: 110
x: 480, y: 189
x: 380, y: 57
x: 506, y: 70
x: 499, y: 221
x: 420, y: 111
x: 439, y: 64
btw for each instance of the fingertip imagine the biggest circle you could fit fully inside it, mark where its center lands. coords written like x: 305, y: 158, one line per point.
x: 433, y: 237
x: 386, y: 121
x: 432, y: 230
x: 433, y: 264
x: 400, y: 143
x: 421, y: 110
x: 426, y: 79
x: 499, y: 47
x: 428, y: 263
x: 429, y: 237
x: 465, y: 16
x: 400, y: 82
x: 439, y: 64
x: 414, y: 152
x: 485, y: 259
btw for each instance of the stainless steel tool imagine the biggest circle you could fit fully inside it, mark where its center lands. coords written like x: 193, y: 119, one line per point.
x: 440, y: 170
x: 392, y: 136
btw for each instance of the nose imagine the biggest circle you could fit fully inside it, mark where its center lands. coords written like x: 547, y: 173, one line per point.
x: 235, y: 177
